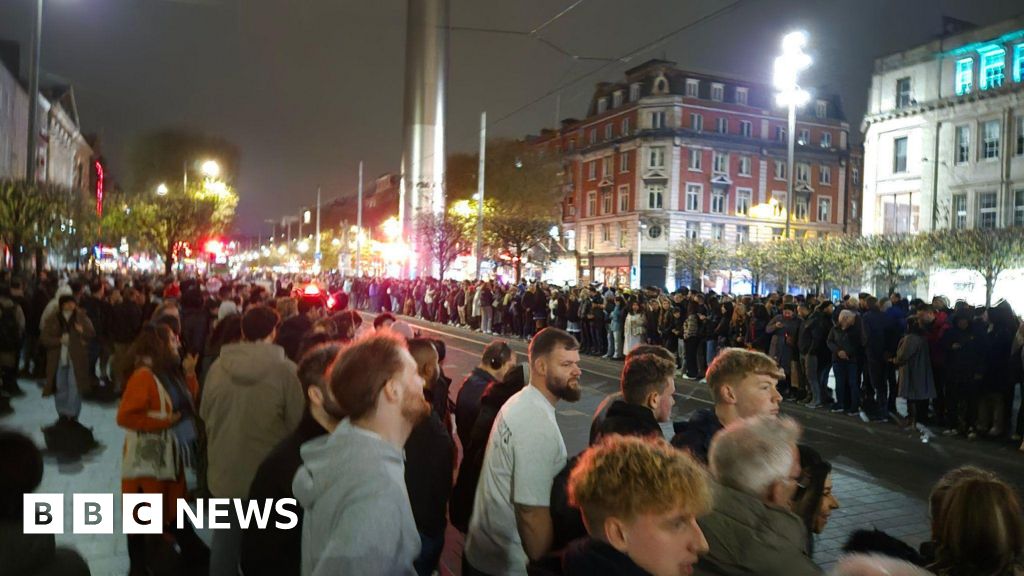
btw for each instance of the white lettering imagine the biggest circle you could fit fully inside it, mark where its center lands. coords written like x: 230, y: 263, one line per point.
x: 282, y: 510
x: 252, y: 509
x: 183, y: 510
x: 219, y: 509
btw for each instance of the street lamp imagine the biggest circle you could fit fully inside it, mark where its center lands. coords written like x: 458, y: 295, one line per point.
x: 162, y: 190
x: 788, y: 67
x: 210, y: 169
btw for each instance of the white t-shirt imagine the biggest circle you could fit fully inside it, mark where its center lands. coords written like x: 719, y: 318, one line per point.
x: 227, y: 308
x: 524, y: 453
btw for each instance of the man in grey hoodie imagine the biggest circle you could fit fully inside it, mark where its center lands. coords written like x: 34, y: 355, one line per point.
x: 352, y: 482
x: 252, y: 399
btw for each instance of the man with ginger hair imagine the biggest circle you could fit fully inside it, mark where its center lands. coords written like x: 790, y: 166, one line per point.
x: 743, y: 384
x: 640, y: 501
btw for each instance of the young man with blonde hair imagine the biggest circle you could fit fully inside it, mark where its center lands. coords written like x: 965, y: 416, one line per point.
x: 640, y: 501
x: 743, y: 384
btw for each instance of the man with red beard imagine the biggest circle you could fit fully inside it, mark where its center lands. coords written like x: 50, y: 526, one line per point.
x: 352, y: 482
x: 511, y: 522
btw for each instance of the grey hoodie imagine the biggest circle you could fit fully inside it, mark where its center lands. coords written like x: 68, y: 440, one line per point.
x: 252, y: 399
x: 357, y: 514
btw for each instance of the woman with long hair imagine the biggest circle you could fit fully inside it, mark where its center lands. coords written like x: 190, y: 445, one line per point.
x: 980, y: 530
x: 160, y: 394
x: 634, y: 327
x: 738, y: 326
x: 813, y: 501
x: 916, y: 380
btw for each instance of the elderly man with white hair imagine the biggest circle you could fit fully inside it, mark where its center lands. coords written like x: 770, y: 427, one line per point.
x: 847, y: 344
x: 750, y: 530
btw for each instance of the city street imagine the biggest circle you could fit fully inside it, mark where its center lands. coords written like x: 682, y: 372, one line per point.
x: 882, y: 476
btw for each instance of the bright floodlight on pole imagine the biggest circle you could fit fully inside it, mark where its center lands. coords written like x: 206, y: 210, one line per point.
x: 788, y: 67
x: 161, y: 190
x: 210, y: 169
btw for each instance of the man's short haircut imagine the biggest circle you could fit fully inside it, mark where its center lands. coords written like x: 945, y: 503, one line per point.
x: 382, y: 318
x: 871, y: 301
x: 496, y: 354
x: 732, y: 365
x: 224, y: 292
x: 545, y: 342
x: 643, y: 349
x: 421, y: 348
x: 751, y: 454
x: 314, y: 363
x: 258, y: 322
x: 624, y: 476
x: 645, y: 374
x: 362, y: 369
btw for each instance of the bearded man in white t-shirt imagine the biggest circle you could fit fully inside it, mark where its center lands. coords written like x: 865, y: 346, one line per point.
x: 511, y: 523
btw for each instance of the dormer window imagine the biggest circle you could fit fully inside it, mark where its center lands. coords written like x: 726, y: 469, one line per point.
x: 717, y: 92
x: 741, y: 96
x: 617, y: 99
x: 634, y: 92
x: 602, y: 105
x: 661, y: 85
x: 692, y: 87
x: 821, y: 109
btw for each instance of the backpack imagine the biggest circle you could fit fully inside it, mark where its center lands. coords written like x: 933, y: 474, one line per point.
x: 10, y: 333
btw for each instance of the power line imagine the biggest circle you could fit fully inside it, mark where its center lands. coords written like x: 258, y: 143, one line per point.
x: 551, y: 20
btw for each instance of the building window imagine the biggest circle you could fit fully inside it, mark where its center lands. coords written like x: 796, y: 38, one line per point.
x: 1018, y: 146
x: 1018, y: 62
x: 990, y: 140
x: 623, y: 235
x: 570, y: 201
x: 899, y: 155
x: 592, y: 170
x: 821, y: 109
x: 658, y: 120
x: 777, y: 233
x: 721, y: 125
x: 661, y: 85
x: 720, y: 164
x: 655, y: 196
x: 590, y: 237
x: 824, y: 209
x: 607, y: 200
x: 744, y: 167
x: 692, y: 87
x: 693, y: 194
x: 624, y: 198
x: 717, y: 92
x: 591, y: 204
x: 780, y: 169
x: 780, y: 133
x: 993, y: 67
x: 987, y: 210
x: 746, y: 129
x: 656, y: 158
x: 826, y: 139
x: 609, y: 131
x: 800, y: 210
x: 718, y: 231
x: 963, y: 144
x: 855, y: 176
x: 743, y: 201
x: 964, y: 81
x: 696, y: 122
x: 825, y: 175
x: 959, y: 212
x: 692, y: 230
x: 572, y: 145
x: 593, y: 136
x: 634, y: 92
x: 602, y: 105
x: 617, y: 98
x: 606, y: 167
x: 903, y: 98
x: 803, y: 137
x: 717, y: 201
x: 625, y: 126
x: 901, y: 213
x: 742, y: 234
x: 803, y: 172
x: 624, y: 161
x: 606, y: 233
x: 1018, y: 207
x: 695, y: 159
x: 741, y: 96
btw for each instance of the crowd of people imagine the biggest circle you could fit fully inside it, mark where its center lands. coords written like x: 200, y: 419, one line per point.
x: 255, y: 391
x: 957, y: 367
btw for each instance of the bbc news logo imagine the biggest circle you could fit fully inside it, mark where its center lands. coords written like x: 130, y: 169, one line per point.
x: 144, y: 513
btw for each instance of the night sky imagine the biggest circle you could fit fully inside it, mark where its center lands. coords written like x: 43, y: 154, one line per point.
x: 307, y: 88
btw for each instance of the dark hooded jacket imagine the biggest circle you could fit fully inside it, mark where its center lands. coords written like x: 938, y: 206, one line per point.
x: 696, y: 434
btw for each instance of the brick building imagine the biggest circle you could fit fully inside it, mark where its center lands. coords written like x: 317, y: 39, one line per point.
x: 676, y: 154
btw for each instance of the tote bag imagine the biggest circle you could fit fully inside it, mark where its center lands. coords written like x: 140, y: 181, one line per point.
x: 151, y: 454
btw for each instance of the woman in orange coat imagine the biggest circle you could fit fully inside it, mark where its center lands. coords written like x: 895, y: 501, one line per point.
x: 153, y: 361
